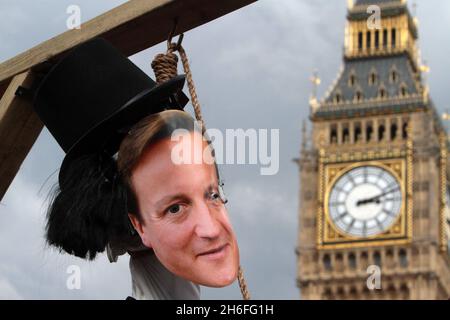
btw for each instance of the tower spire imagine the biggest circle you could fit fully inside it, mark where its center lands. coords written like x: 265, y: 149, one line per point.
x: 315, y: 80
x: 304, y: 135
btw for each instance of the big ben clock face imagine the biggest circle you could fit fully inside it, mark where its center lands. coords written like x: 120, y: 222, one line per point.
x: 365, y: 201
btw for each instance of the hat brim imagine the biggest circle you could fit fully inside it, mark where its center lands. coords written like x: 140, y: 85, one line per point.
x: 140, y: 106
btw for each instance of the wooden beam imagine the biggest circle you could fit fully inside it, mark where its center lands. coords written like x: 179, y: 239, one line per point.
x: 132, y: 27
x: 3, y: 86
x: 19, y: 128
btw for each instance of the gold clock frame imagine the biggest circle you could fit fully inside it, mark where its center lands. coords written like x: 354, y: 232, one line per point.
x: 330, y: 170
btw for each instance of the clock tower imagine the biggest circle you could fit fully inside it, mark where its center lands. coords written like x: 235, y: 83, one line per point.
x: 374, y: 175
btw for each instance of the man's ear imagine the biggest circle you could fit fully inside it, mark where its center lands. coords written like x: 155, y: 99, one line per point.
x: 138, y: 226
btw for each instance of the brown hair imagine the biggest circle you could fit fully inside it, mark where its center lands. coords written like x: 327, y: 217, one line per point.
x: 146, y: 132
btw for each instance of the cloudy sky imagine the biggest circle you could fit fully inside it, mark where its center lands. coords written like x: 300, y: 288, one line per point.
x: 252, y: 70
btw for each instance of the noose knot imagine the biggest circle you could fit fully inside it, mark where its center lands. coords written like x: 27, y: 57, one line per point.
x: 164, y: 66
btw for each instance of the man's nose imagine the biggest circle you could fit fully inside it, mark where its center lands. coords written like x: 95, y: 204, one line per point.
x: 207, y: 225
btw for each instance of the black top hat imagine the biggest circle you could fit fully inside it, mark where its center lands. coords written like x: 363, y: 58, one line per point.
x: 89, y: 99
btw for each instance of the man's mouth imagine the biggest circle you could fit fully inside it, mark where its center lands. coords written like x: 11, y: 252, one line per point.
x: 215, y: 253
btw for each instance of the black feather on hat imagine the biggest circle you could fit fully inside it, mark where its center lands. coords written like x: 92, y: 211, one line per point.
x: 88, y: 100
x: 89, y: 208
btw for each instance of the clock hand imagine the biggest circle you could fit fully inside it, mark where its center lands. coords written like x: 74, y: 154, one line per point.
x: 388, y: 192
x: 366, y: 201
x: 376, y: 198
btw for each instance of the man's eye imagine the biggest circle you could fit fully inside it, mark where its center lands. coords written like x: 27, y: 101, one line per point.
x: 214, y: 196
x: 174, y: 209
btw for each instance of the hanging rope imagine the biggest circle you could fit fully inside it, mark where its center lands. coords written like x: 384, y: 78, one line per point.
x: 165, y: 66
x: 243, y: 284
x: 190, y: 83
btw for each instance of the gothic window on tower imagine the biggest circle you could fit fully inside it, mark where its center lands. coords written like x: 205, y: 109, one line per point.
x: 358, y: 96
x: 405, y: 129
x: 389, y: 258
x: 365, y: 292
x: 393, y: 37
x: 345, y: 134
x: 339, y: 262
x: 369, y: 131
x: 373, y: 78
x: 368, y: 39
x: 403, y: 258
x: 352, y: 80
x: 333, y: 134
x: 394, y: 130
x: 382, y: 93
x: 328, y: 294
x: 353, y: 293
x: 357, y: 132
x: 385, y: 38
x: 352, y: 260
x: 377, y: 258
x: 391, y: 292
x: 403, y: 90
x: 360, y: 41
x: 377, y: 39
x: 326, y: 262
x: 381, y: 132
x: 338, y: 97
x: 364, y: 260
x: 415, y: 254
x: 404, y: 290
x: 393, y: 76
